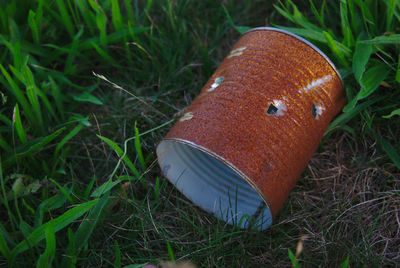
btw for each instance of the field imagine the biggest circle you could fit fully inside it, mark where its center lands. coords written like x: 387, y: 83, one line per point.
x: 89, y: 88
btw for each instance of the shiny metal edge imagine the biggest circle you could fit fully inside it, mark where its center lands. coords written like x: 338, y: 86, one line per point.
x: 265, y: 28
x: 230, y: 165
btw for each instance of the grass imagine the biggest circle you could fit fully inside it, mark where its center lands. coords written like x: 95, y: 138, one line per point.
x: 88, y: 88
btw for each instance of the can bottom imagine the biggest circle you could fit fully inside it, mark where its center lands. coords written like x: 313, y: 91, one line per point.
x: 212, y: 184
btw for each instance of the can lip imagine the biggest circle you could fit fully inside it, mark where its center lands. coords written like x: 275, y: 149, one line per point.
x: 304, y: 41
x: 230, y: 165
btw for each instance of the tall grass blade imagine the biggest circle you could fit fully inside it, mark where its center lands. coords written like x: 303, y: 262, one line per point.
x: 170, y: 252
x: 390, y: 8
x: 87, y: 226
x: 372, y: 78
x: 104, y: 188
x: 361, y: 57
x: 31, y: 147
x: 121, y: 154
x: 345, y: 264
x: 18, y: 94
x: 33, y: 25
x: 390, y: 151
x: 18, y: 125
x: 101, y: 22
x: 138, y: 148
x: 103, y: 54
x: 240, y: 29
x: 89, y: 187
x: 335, y: 49
x: 63, y: 191
x: 45, y: 260
x: 65, y: 17
x: 346, y: 29
x: 48, y: 205
x: 318, y: 15
x: 295, y: 262
x: 393, y: 113
x: 117, y: 262
x: 384, y: 39
x: 69, y: 136
x: 57, y: 96
x: 4, y: 249
x: 351, y: 113
x: 116, y: 15
x: 58, y: 223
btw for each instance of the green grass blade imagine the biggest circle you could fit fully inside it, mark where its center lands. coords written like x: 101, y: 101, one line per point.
x: 345, y: 264
x: 73, y: 52
x: 104, y: 54
x: 117, y: 262
x: 33, y: 25
x: 30, y: 82
x: 346, y: 29
x: 384, y: 39
x: 87, y: 226
x: 390, y: 151
x: 361, y: 57
x: 170, y: 252
x: 116, y: 15
x: 101, y: 22
x: 294, y: 261
x: 121, y: 154
x: 87, y: 14
x: 63, y: 191
x: 31, y: 92
x: 18, y: 94
x: 4, y: 249
x: 148, y: 6
x: 18, y: 125
x: 139, y: 148
x: 390, y: 8
x: 89, y: 187
x: 69, y: 136
x: 317, y: 36
x: 32, y: 146
x: 86, y: 97
x: 372, y: 78
x: 240, y: 29
x: 335, y: 49
x: 57, y: 96
x: 351, y: 113
x: 393, y: 113
x: 318, y: 15
x: 48, y: 205
x: 59, y: 223
x: 104, y: 188
x: 85, y: 230
x: 398, y: 70
x: 65, y: 17
x: 47, y: 257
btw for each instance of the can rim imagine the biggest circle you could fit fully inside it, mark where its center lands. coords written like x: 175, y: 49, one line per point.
x: 230, y: 165
x: 266, y: 28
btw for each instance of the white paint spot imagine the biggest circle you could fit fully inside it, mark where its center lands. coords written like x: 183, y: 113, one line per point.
x: 315, y: 83
x: 276, y: 107
x: 317, y: 110
x: 236, y: 52
x: 216, y: 83
x: 186, y: 116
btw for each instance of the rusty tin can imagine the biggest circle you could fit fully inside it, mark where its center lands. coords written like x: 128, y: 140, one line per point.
x: 240, y: 147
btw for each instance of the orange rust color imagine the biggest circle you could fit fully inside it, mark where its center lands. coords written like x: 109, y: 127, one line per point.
x: 231, y: 119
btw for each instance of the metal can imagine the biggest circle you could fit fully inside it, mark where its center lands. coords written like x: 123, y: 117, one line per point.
x: 240, y: 147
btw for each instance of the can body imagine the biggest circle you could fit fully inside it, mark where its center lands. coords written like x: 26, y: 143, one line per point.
x: 239, y: 148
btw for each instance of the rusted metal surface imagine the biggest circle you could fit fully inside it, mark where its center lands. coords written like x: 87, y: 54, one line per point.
x: 264, y: 111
